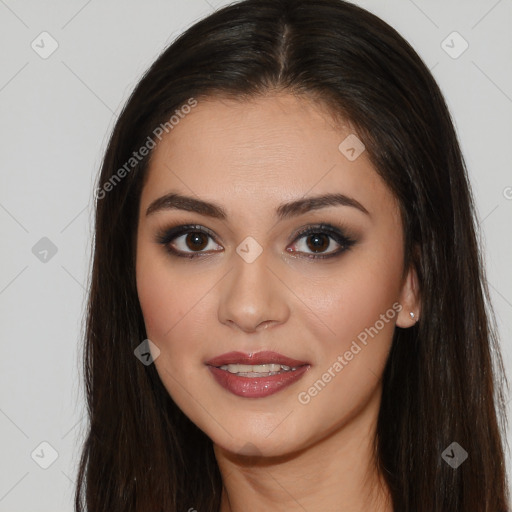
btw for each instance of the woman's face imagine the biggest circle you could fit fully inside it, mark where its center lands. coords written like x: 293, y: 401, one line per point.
x: 246, y: 278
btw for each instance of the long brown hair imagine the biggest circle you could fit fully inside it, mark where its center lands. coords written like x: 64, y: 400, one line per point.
x: 444, y: 380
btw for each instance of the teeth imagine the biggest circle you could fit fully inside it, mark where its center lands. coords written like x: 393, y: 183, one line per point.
x: 256, y: 370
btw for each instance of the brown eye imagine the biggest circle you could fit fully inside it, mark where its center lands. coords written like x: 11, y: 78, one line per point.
x: 196, y: 241
x: 318, y: 242
x: 188, y: 241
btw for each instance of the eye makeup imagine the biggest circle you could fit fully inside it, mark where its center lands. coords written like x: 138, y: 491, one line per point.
x: 198, y: 235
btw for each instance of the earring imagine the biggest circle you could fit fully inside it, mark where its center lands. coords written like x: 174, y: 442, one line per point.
x: 413, y: 316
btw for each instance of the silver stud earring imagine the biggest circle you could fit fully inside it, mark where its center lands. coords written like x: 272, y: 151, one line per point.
x: 412, y: 315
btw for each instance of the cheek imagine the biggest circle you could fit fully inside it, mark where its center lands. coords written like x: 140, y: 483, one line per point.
x: 173, y: 302
x: 156, y: 291
x: 341, y: 304
x: 360, y: 308
x: 368, y: 293
x: 159, y: 306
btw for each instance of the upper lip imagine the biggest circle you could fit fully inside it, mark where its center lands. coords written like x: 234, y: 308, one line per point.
x: 265, y: 357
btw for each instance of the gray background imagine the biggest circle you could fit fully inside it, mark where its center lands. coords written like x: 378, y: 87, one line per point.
x: 55, y: 117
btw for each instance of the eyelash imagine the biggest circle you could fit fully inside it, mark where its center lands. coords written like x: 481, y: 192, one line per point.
x: 166, y: 236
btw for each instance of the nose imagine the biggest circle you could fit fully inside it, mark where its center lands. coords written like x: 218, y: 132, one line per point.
x: 252, y: 297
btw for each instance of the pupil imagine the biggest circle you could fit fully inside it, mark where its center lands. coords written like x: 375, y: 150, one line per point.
x: 319, y: 238
x: 195, y: 241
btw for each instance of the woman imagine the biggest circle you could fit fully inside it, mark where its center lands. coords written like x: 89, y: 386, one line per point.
x: 287, y: 306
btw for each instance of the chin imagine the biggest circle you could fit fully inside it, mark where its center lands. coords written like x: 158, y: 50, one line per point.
x: 260, y: 445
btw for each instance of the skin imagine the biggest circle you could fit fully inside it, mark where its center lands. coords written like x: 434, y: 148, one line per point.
x: 275, y: 453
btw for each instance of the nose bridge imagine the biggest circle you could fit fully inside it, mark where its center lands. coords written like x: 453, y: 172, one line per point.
x: 251, y: 296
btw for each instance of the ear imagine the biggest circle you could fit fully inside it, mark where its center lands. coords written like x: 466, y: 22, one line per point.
x: 410, y: 300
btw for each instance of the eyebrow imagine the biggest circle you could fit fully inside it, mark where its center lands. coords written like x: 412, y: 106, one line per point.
x: 175, y: 201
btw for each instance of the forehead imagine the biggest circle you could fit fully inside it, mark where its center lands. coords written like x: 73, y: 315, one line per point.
x: 267, y: 150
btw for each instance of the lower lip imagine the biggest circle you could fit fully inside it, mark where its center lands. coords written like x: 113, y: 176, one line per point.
x: 256, y: 387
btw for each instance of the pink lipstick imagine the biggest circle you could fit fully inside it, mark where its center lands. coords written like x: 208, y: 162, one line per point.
x: 256, y: 375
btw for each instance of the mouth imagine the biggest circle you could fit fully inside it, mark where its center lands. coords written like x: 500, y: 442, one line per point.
x: 256, y: 375
x: 259, y: 364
